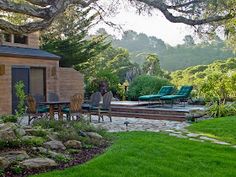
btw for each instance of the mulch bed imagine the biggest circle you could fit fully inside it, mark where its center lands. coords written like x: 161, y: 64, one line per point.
x: 83, y: 156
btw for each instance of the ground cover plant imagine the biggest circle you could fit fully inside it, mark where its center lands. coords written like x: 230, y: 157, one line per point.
x: 220, y: 128
x: 47, y: 145
x: 140, y: 154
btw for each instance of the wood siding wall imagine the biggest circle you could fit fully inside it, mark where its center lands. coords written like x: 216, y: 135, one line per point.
x: 52, y: 75
x: 71, y: 82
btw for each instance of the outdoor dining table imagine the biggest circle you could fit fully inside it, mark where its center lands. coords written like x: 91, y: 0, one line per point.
x: 52, y: 108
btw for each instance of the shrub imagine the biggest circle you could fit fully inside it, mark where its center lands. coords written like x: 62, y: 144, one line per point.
x: 9, y: 118
x: 218, y: 109
x: 112, y: 81
x: 144, y: 85
x: 33, y: 141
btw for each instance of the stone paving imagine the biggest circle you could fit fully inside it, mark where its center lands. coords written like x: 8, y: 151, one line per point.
x: 173, y: 128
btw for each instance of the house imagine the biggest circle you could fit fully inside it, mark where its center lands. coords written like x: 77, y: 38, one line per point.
x: 21, y: 59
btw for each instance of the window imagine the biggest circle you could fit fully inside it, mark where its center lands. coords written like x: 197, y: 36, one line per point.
x: 20, y: 39
x: 6, y: 37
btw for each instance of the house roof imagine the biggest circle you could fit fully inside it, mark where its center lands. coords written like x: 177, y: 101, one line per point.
x: 26, y: 52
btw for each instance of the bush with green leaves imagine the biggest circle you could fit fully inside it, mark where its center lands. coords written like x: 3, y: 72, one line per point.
x: 69, y: 130
x: 8, y: 118
x: 145, y: 85
x: 21, y: 96
x: 106, y: 76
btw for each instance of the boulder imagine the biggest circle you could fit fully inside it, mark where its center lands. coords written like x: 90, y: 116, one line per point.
x: 7, y: 131
x: 94, y: 135
x: 4, y: 163
x: 50, y: 153
x: 54, y: 145
x: 20, y: 132
x: 15, y: 155
x: 73, y: 144
x: 38, y: 163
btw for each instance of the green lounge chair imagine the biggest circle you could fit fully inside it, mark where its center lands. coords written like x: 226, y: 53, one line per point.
x: 182, y: 95
x: 165, y: 90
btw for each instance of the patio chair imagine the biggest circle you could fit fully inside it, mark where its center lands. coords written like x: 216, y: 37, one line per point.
x: 75, y: 108
x: 94, y: 102
x: 104, y: 109
x: 33, y: 111
x: 165, y: 90
x: 182, y: 95
x: 53, y: 96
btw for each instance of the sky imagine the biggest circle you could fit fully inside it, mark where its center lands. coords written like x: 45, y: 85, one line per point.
x: 156, y: 25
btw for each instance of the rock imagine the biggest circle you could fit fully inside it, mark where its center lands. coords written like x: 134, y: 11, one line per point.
x: 73, y: 144
x: 4, y: 163
x: 55, y: 145
x: 7, y: 131
x: 38, y: 163
x: 20, y: 132
x: 53, y: 136
x: 15, y: 155
x: 48, y: 152
x: 93, y: 135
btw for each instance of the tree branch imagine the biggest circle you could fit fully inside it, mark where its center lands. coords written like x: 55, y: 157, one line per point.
x: 181, y: 19
x: 184, y: 4
x: 23, y: 8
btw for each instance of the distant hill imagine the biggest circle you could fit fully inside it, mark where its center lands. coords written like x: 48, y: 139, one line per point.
x: 172, y: 58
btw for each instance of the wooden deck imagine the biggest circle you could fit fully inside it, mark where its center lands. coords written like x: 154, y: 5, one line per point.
x: 147, y: 111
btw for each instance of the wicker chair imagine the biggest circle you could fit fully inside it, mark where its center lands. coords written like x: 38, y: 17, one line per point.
x: 75, y: 108
x: 33, y: 111
x: 104, y: 109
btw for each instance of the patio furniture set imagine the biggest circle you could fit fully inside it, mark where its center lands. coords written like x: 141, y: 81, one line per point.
x: 73, y: 109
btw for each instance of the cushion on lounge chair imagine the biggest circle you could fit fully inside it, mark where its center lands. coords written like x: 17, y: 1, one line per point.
x: 165, y: 90
x: 184, y: 92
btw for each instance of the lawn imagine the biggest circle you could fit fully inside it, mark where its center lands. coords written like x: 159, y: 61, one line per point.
x: 146, y: 154
x: 220, y: 128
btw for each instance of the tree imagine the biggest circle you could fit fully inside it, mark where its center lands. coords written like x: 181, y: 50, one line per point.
x: 152, y: 66
x: 41, y: 13
x: 188, y: 40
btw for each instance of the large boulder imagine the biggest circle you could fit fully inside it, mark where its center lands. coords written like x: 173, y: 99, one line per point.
x: 73, y: 144
x: 38, y: 163
x: 54, y: 145
x: 7, y: 131
x: 94, y: 135
x: 4, y: 163
x: 15, y: 155
x: 20, y: 131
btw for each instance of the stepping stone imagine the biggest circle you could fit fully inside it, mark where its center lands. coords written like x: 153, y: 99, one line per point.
x: 221, y: 142
x: 192, y: 135
x: 207, y: 138
x: 171, y: 131
x: 177, y: 135
x: 193, y: 139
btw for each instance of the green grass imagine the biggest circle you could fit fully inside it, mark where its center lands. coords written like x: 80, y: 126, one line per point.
x: 146, y: 154
x: 220, y: 128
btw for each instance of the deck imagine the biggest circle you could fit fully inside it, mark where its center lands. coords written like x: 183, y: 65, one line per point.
x: 151, y: 111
